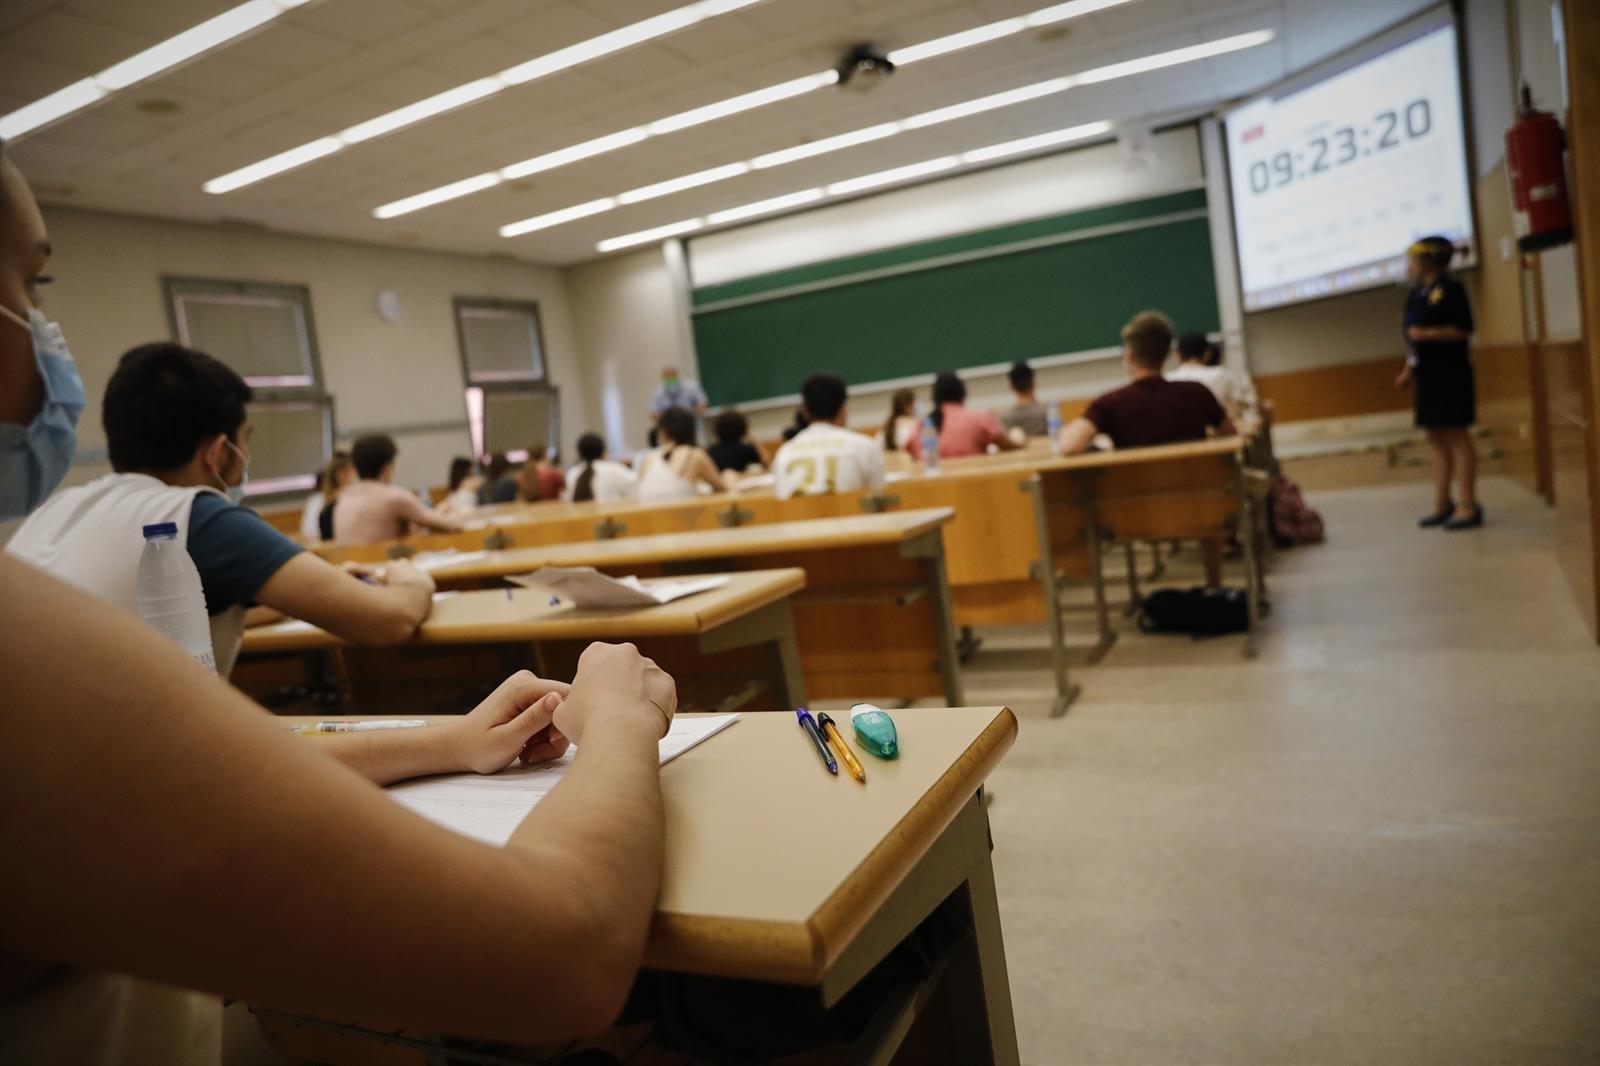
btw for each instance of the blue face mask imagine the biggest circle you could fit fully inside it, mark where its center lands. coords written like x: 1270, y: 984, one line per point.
x: 34, y: 458
x: 235, y: 493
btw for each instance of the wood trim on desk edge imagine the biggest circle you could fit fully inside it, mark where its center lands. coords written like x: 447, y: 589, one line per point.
x: 802, y: 954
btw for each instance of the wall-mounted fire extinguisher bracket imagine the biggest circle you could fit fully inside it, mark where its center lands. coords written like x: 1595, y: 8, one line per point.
x: 1537, y: 170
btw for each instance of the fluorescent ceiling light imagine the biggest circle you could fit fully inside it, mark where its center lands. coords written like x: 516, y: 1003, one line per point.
x: 1042, y: 140
x: 765, y: 207
x: 995, y: 30
x: 555, y: 218
x: 787, y: 90
x: 645, y: 236
x: 735, y: 104
x: 844, y: 188
x: 989, y: 103
x: 827, y: 144
x: 194, y: 41
x: 562, y: 156
x: 1221, y: 46
x: 889, y: 177
x: 471, y: 92
x: 688, y: 181
x: 438, y: 103
x: 294, y: 157
x: 43, y: 111
x: 464, y: 187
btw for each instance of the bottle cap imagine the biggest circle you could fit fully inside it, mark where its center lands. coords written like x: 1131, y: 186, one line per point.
x: 161, y: 529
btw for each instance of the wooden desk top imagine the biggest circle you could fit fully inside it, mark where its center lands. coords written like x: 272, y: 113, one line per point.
x: 889, y: 527
x: 773, y: 867
x: 503, y: 616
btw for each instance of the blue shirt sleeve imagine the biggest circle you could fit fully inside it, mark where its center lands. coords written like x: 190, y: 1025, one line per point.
x: 235, y: 550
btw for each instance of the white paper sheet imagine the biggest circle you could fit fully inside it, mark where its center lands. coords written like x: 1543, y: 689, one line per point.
x: 584, y: 586
x: 431, y: 561
x: 489, y: 807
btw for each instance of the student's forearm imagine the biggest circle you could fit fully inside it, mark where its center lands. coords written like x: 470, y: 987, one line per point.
x: 383, y: 756
x: 603, y: 822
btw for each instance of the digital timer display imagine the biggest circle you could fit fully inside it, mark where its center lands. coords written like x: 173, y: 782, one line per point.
x: 1334, y: 176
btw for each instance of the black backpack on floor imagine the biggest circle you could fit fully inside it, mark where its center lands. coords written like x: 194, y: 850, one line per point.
x: 1200, y: 612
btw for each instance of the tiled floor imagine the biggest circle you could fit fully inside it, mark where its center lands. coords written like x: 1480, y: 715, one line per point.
x: 1377, y: 843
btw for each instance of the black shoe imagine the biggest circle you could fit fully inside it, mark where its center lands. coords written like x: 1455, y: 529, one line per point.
x: 1456, y: 524
x: 1438, y: 518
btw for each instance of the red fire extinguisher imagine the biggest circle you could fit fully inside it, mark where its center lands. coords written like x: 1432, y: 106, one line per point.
x: 1536, y: 168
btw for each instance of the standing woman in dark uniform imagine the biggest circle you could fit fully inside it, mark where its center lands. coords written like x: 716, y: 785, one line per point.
x: 1438, y: 321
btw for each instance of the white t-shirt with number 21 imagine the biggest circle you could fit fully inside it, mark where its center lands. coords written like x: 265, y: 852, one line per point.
x: 826, y: 458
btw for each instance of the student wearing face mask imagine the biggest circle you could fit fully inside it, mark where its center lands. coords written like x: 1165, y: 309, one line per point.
x: 168, y: 835
x: 178, y: 432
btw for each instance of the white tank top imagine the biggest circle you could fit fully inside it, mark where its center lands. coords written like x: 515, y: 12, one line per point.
x: 92, y: 536
x: 658, y: 481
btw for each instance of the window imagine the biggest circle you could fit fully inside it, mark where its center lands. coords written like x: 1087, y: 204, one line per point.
x: 265, y: 333
x: 510, y: 406
x: 500, y: 341
x: 262, y: 331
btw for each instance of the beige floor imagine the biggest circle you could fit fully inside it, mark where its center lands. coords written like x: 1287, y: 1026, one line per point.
x: 1378, y: 843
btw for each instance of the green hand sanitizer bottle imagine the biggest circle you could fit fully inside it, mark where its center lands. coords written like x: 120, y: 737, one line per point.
x: 874, y: 730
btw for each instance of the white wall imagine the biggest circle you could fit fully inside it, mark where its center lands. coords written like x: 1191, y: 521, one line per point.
x: 630, y: 322
x: 108, y: 298
x: 981, y: 200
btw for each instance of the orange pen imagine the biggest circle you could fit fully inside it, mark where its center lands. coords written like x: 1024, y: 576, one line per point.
x: 846, y: 756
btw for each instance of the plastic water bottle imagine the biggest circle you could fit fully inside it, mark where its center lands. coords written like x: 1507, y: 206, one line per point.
x: 930, y: 446
x: 1052, y: 421
x: 171, y: 598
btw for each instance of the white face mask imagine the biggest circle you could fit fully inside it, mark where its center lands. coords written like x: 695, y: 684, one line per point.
x: 34, y: 458
x: 235, y: 493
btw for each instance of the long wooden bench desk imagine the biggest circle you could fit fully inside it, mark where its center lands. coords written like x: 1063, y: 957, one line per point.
x: 743, y: 628
x: 778, y: 875
x: 875, y: 619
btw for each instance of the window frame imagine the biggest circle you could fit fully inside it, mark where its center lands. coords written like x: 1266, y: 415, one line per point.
x: 539, y: 376
x: 175, y: 287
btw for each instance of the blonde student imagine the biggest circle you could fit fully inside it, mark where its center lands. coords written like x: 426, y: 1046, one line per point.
x: 163, y: 833
x: 826, y: 457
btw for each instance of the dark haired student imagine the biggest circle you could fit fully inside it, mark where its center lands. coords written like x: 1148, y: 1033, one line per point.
x: 1438, y: 322
x: 597, y: 478
x: 733, y: 450
x: 179, y: 436
x: 373, y: 509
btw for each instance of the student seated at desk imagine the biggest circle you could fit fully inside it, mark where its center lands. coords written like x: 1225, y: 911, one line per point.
x: 373, y: 510
x: 677, y: 469
x: 902, y: 425
x: 541, y: 478
x: 461, y: 488
x: 173, y: 836
x: 598, y: 478
x: 323, y: 493
x: 961, y: 431
x: 1201, y: 360
x: 178, y: 434
x: 1027, y: 415
x: 733, y: 450
x: 825, y: 457
x: 499, y: 483
x: 1152, y: 410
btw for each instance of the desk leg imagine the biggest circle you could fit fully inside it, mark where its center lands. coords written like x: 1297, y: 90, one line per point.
x: 774, y: 625
x: 1066, y: 691
x: 1102, y: 610
x: 930, y: 549
x: 979, y: 988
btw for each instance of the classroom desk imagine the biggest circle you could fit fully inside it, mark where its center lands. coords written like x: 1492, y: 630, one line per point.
x: 752, y: 611
x: 875, y: 619
x: 854, y: 872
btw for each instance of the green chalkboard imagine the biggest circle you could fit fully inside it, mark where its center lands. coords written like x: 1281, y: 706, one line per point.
x: 925, y: 317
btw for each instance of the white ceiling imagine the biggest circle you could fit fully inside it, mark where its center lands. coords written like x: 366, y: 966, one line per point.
x: 336, y: 62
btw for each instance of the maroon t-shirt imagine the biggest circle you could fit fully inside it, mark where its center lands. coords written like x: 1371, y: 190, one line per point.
x: 1154, y: 410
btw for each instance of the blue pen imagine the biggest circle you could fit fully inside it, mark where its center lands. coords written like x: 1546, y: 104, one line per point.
x: 809, y: 725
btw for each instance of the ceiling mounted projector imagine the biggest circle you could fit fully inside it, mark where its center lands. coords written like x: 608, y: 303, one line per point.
x: 864, y: 68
